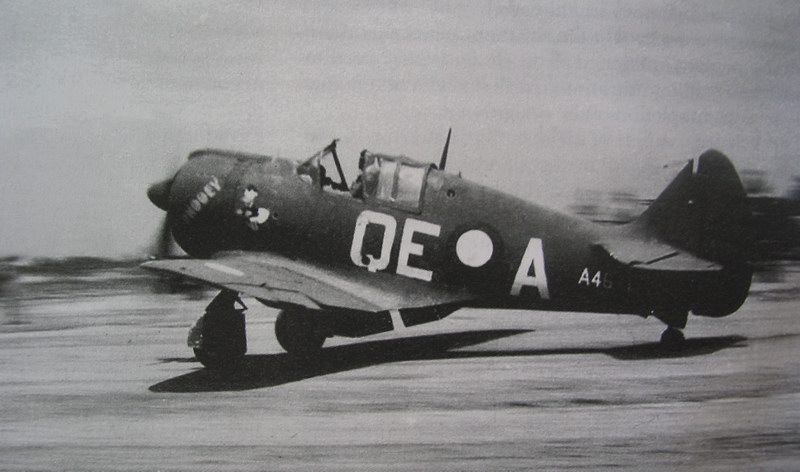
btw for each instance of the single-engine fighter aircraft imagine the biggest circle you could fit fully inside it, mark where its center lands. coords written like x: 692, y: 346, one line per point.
x: 409, y: 243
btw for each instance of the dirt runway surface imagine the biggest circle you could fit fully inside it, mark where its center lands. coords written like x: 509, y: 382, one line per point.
x: 96, y: 376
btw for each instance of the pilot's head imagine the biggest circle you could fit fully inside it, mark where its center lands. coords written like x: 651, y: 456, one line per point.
x: 361, y: 159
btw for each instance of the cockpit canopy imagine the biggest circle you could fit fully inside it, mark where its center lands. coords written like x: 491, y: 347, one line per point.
x: 396, y: 181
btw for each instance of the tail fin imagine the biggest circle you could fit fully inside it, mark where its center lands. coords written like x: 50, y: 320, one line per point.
x: 704, y: 211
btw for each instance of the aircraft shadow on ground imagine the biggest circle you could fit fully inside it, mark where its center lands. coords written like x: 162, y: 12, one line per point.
x: 271, y: 370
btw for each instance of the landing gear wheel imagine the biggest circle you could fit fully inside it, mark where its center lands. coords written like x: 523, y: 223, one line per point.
x: 672, y: 337
x: 218, y: 338
x: 299, y: 332
x: 218, y: 360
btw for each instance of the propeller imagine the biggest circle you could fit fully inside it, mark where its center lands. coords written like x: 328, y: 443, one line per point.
x: 163, y: 245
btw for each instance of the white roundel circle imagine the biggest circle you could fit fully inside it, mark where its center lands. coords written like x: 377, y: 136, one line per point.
x: 474, y: 248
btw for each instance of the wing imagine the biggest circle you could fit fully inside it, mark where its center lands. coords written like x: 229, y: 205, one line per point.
x: 279, y: 281
x: 653, y: 255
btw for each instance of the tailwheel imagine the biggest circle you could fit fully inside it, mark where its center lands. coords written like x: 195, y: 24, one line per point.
x: 672, y: 337
x: 219, y: 338
x: 299, y: 332
x: 675, y: 319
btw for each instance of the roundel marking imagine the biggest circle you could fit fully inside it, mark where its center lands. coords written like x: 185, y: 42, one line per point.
x: 474, y: 248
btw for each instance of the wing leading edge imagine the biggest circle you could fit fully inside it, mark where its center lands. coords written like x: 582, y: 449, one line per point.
x: 279, y: 281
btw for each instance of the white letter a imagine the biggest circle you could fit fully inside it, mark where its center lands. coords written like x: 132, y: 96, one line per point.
x: 534, y: 255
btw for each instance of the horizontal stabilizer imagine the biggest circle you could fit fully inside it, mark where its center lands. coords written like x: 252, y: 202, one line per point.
x: 654, y: 255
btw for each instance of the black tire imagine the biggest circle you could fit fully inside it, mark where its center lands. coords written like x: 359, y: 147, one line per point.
x: 218, y: 360
x: 299, y: 332
x: 672, y: 337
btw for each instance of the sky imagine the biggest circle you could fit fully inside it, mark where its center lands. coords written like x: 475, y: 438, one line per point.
x: 100, y: 99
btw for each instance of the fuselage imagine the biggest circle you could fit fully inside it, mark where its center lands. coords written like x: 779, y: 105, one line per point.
x: 443, y: 231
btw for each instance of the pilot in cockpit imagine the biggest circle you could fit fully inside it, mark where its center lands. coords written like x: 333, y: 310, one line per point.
x: 367, y: 177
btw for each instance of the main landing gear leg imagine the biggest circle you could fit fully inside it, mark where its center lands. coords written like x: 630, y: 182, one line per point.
x: 218, y: 338
x: 675, y: 320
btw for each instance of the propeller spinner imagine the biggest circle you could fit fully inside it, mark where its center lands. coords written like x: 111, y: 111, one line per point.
x: 158, y: 193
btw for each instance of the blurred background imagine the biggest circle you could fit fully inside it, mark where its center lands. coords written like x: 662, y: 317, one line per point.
x: 590, y: 107
x: 775, y: 221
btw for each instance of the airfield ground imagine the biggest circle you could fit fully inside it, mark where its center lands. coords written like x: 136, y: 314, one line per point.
x: 96, y: 376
